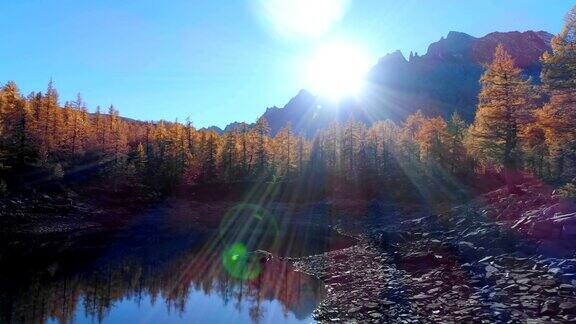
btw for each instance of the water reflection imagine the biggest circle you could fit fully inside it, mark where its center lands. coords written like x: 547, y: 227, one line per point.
x: 148, y: 277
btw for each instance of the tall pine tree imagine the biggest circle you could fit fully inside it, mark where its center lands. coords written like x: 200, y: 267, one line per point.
x: 558, y: 117
x: 502, y: 107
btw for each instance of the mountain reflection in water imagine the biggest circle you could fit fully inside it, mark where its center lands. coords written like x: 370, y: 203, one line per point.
x: 148, y: 278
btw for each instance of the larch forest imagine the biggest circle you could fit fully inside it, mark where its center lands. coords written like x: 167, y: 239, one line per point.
x: 431, y: 218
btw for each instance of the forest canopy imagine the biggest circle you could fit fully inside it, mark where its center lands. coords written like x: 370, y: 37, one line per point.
x: 519, y: 127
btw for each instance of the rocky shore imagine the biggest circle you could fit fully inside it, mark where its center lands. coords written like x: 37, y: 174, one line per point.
x: 460, y: 266
x: 43, y: 224
x: 499, y: 258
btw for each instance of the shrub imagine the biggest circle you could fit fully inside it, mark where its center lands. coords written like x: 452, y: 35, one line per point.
x: 567, y: 191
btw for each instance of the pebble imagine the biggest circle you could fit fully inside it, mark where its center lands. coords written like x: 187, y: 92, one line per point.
x: 430, y: 276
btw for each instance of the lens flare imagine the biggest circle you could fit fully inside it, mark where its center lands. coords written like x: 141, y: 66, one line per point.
x: 337, y: 70
x: 250, y: 225
x: 246, y: 228
x: 301, y: 19
x: 239, y: 263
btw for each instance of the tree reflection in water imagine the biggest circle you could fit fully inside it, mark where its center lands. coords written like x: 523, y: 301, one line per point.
x: 168, y: 272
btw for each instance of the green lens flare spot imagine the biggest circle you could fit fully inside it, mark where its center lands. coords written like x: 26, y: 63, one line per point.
x: 239, y: 263
x: 258, y: 215
x: 251, y: 225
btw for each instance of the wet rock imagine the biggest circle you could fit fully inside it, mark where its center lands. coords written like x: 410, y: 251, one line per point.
x: 421, y: 296
x: 466, y: 245
x: 566, y: 287
x: 549, y: 308
x: 568, y: 307
x: 354, y: 310
x: 392, y: 238
x: 490, y: 271
x: 422, y: 260
x: 486, y: 259
x: 436, y: 269
x: 263, y: 255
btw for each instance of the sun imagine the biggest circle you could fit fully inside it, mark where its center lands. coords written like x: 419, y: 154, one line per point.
x: 337, y: 70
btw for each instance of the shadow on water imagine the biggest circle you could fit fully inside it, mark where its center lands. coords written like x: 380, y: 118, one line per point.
x: 154, y: 273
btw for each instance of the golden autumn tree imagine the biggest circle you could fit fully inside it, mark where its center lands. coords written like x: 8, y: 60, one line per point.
x: 210, y: 144
x: 261, y: 133
x: 115, y: 139
x: 302, y: 153
x: 330, y: 147
x: 98, y: 135
x: 246, y: 150
x: 535, y: 148
x: 430, y: 137
x: 503, y: 103
x: 77, y: 127
x: 229, y: 156
x: 49, y: 122
x: 16, y: 125
x: 386, y: 137
x: 409, y: 147
x: 349, y: 144
x: 558, y: 117
x: 284, y: 150
x: 455, y: 134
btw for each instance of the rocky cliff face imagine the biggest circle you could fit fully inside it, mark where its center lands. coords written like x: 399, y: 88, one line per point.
x: 442, y: 81
x: 445, y: 79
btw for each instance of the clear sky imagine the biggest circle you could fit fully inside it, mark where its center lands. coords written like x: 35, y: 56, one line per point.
x: 222, y: 61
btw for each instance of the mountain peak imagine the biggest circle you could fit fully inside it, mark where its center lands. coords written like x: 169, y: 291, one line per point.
x: 394, y: 57
x: 458, y: 35
x: 455, y: 45
x: 236, y: 126
x: 439, y: 82
x: 526, y: 47
x: 214, y: 129
x: 304, y: 93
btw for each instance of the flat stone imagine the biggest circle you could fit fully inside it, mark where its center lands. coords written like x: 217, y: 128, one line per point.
x: 549, y: 308
x: 486, y: 259
x: 566, y: 287
x: 433, y: 291
x: 535, y: 288
x: 467, y: 244
x: 490, y: 270
x: 511, y: 287
x: 421, y: 296
x: 354, y: 310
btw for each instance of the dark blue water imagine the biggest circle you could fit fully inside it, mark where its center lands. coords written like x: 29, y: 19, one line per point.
x: 167, y: 269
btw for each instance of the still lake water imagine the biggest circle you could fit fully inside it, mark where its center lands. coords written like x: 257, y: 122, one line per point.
x: 166, y: 271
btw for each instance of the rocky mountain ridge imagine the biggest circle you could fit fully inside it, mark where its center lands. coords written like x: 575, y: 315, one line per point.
x: 442, y: 81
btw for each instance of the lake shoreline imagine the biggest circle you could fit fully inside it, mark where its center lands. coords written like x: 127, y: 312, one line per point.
x: 455, y: 266
x: 443, y: 263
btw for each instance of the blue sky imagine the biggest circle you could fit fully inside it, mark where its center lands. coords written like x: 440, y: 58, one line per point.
x: 217, y: 61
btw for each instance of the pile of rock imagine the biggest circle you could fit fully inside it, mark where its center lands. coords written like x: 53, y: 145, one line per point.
x: 535, y: 212
x: 45, y: 214
x: 461, y: 266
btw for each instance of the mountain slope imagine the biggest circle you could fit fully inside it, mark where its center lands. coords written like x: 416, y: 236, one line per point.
x: 442, y: 81
x: 445, y: 79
